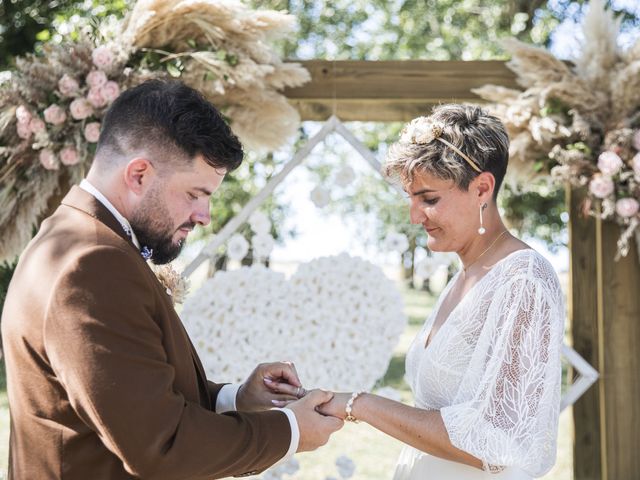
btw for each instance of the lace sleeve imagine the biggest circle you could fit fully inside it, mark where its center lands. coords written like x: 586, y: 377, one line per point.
x: 507, y: 415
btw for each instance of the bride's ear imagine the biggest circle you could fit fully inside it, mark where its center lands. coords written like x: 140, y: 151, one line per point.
x: 483, y: 186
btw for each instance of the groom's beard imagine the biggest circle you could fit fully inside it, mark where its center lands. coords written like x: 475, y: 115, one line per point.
x: 152, y: 225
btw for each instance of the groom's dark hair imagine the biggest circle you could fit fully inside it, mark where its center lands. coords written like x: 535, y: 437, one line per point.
x: 171, y: 120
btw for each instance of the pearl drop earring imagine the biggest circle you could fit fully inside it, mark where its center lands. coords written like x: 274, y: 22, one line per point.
x: 482, y: 230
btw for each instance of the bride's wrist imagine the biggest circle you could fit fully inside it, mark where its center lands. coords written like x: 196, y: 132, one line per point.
x: 351, y: 413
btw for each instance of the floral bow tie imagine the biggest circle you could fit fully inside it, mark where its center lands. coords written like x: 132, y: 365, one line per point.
x: 146, y: 252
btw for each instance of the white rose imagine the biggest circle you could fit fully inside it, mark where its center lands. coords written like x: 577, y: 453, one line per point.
x: 609, y: 163
x: 320, y: 196
x: 601, y: 186
x: 636, y: 140
x: 635, y: 163
x: 262, y: 245
x: 345, y: 176
x: 396, y: 242
x: 237, y: 247
x: 627, y: 207
x: 425, y: 268
x: 259, y: 222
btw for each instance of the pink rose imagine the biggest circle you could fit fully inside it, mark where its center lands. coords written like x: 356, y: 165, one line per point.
x: 635, y: 164
x: 627, y: 207
x: 80, y: 109
x: 68, y: 86
x: 54, y: 115
x: 48, y: 159
x: 601, y: 187
x: 636, y: 140
x: 96, y: 78
x: 92, y: 132
x: 24, y: 131
x: 36, y: 125
x: 95, y: 98
x: 609, y: 163
x: 110, y: 91
x: 102, y: 57
x: 69, y: 156
x: 23, y: 115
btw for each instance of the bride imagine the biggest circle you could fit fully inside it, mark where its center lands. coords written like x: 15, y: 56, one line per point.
x: 485, y: 368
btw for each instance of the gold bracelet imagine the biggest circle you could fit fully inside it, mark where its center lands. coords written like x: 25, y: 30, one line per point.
x: 349, y: 408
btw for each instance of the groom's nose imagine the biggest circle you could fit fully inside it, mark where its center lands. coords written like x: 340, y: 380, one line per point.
x: 201, y: 215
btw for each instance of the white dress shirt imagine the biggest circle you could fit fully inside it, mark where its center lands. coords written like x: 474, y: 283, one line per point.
x: 226, y: 401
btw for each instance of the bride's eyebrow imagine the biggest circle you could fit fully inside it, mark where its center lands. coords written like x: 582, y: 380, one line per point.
x: 420, y: 192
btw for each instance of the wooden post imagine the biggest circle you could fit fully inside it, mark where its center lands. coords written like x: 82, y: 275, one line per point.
x: 604, y: 309
x: 583, y: 321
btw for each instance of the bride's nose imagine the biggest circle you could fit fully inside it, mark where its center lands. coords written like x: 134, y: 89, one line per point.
x: 416, y: 214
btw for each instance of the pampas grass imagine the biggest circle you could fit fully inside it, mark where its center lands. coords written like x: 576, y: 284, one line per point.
x: 223, y: 49
x: 568, y: 114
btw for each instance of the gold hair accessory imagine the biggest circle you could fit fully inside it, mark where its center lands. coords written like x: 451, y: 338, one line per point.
x: 423, y: 131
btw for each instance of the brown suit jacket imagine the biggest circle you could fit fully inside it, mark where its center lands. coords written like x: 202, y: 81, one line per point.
x: 103, y: 380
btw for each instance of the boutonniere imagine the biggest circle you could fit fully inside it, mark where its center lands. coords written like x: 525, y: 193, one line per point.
x: 174, y: 283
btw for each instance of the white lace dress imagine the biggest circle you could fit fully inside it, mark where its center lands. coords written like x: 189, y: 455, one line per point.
x: 493, y: 371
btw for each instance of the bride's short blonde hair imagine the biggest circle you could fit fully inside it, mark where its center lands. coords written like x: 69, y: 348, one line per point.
x: 455, y: 142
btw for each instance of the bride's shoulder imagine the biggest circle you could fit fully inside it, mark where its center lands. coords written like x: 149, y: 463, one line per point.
x: 528, y: 263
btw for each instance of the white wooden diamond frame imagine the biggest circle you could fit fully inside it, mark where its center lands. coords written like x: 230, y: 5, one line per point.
x: 587, y: 374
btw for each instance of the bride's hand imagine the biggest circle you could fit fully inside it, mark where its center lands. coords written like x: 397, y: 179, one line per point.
x: 336, y: 406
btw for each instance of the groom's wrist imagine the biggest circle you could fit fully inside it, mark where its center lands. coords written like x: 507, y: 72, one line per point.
x: 227, y: 398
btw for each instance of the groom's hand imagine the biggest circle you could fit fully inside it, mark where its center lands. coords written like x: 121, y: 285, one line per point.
x: 269, y: 385
x: 337, y: 406
x: 315, y: 428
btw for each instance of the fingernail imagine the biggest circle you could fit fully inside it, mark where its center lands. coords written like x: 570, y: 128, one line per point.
x: 268, y: 380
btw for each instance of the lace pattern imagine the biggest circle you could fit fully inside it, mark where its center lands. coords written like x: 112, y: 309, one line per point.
x: 493, y: 368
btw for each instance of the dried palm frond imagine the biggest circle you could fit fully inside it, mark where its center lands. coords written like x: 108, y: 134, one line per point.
x: 205, y: 35
x: 535, y: 66
x: 599, y: 53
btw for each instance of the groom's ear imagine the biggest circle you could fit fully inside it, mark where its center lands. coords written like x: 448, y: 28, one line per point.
x: 138, y: 175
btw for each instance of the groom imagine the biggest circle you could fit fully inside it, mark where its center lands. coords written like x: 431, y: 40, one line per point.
x: 103, y: 380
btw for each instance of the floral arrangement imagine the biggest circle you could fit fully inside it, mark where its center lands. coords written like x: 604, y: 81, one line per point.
x: 51, y: 106
x: 176, y: 286
x: 317, y: 319
x: 579, y: 122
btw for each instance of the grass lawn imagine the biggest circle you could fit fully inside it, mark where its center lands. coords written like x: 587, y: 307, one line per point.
x: 373, y: 452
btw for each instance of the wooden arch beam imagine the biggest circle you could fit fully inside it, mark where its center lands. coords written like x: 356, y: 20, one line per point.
x: 388, y: 91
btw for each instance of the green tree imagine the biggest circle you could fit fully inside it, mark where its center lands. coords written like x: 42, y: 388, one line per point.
x: 434, y: 30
